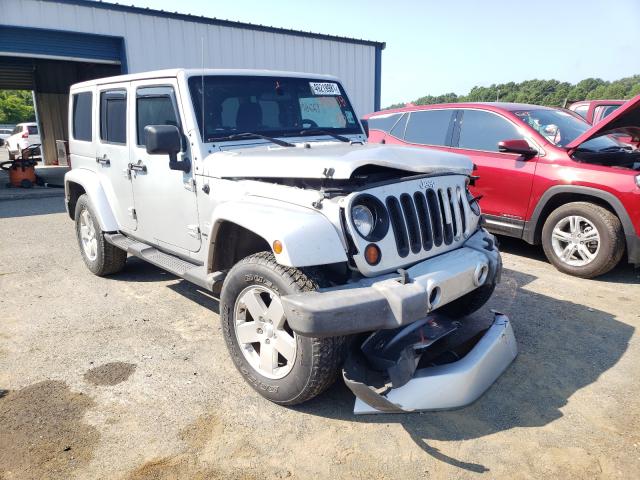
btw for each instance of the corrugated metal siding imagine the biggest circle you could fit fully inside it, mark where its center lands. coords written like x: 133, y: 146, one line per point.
x: 154, y: 42
x: 35, y: 42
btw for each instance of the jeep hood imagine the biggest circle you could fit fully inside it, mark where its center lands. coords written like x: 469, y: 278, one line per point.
x: 330, y: 159
x: 624, y: 120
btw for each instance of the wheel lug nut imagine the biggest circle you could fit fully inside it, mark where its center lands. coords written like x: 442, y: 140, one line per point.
x: 259, y: 330
x: 267, y: 341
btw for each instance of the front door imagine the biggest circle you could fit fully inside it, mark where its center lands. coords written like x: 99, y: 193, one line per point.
x: 166, y: 206
x: 505, y: 178
x: 112, y: 152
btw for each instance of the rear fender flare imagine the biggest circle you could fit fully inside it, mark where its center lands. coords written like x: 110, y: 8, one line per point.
x: 89, y: 181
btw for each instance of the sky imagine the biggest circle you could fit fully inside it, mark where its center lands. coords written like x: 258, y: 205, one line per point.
x: 435, y: 47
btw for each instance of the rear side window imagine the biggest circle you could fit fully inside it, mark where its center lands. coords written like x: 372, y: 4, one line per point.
x: 154, y: 106
x: 33, y: 129
x: 400, y: 126
x: 82, y: 118
x: 429, y: 127
x: 483, y: 130
x: 384, y: 122
x: 582, y: 110
x: 113, y: 116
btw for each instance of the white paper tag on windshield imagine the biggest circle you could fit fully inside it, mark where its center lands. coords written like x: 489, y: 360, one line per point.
x: 324, y: 88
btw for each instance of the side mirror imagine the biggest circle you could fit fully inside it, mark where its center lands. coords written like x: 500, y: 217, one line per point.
x: 519, y: 146
x: 165, y: 140
x: 365, y: 126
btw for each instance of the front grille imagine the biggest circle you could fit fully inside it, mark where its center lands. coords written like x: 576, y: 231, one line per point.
x: 427, y: 219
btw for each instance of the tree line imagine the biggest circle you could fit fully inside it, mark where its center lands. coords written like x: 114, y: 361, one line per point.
x: 552, y: 93
x: 16, y: 106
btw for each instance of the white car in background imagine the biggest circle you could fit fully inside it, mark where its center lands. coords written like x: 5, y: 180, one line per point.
x: 4, y: 134
x: 23, y: 135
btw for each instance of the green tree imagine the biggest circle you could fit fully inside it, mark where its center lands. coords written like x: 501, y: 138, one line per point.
x: 16, y: 106
x: 541, y: 92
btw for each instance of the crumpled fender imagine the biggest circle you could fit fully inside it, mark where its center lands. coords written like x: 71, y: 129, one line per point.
x: 92, y: 187
x: 307, y: 236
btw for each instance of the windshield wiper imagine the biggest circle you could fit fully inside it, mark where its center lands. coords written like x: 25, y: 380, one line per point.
x: 249, y: 135
x: 320, y: 131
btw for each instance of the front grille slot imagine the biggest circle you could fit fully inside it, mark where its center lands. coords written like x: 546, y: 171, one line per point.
x: 445, y: 209
x: 398, y: 226
x: 436, y: 218
x: 424, y: 219
x: 411, y: 220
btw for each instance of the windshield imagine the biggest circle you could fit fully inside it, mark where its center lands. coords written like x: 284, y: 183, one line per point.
x: 561, y: 128
x: 273, y: 106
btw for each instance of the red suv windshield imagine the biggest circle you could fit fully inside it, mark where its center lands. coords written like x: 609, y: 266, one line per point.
x: 561, y: 128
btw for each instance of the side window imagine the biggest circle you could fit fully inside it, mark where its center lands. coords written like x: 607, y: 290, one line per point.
x: 399, y: 128
x: 429, y: 127
x: 32, y: 129
x: 483, y: 130
x: 582, y: 110
x: 113, y: 116
x: 384, y: 122
x: 82, y: 116
x: 154, y: 106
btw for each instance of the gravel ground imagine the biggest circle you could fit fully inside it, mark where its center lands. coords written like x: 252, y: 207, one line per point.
x: 128, y: 378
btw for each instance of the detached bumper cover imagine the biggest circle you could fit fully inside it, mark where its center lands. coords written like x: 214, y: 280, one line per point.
x: 390, y: 301
x: 442, y: 387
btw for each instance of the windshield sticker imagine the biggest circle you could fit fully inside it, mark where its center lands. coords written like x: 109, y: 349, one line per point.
x: 321, y: 88
x: 349, y: 116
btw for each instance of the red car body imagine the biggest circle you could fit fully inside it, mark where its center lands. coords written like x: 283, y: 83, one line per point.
x: 518, y: 191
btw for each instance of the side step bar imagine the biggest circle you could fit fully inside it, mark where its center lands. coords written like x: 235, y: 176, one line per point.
x: 191, y: 272
x: 441, y: 387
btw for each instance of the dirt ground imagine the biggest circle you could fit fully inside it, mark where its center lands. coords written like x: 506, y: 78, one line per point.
x: 128, y: 378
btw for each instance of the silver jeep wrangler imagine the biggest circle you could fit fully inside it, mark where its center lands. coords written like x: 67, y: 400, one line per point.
x: 260, y: 187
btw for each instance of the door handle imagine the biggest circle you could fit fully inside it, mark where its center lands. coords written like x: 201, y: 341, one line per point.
x: 138, y: 167
x: 104, y: 160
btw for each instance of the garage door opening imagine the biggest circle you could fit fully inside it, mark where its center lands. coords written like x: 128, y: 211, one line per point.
x: 48, y: 62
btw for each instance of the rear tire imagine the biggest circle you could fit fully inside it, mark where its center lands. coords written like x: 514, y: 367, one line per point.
x: 101, y: 257
x: 583, y: 239
x: 294, y: 368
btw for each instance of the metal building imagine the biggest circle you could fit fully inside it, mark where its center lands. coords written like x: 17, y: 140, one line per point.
x: 47, y: 45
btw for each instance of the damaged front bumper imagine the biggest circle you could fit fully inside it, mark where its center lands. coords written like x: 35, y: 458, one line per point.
x: 390, y: 301
x: 388, y: 373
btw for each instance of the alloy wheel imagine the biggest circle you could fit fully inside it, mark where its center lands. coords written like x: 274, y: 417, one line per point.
x: 265, y: 339
x: 575, y: 240
x: 88, y: 235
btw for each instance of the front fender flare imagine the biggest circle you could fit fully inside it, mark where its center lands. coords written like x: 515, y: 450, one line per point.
x: 89, y: 181
x: 307, y: 236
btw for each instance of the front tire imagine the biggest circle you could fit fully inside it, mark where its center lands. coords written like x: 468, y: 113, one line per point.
x: 583, y: 239
x: 280, y: 365
x: 101, y: 257
x: 12, y: 156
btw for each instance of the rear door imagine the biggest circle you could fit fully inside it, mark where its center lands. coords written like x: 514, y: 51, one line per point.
x: 166, y: 206
x: 425, y: 128
x: 505, y: 178
x: 112, y: 151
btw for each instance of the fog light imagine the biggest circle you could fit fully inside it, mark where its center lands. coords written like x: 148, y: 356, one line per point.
x: 277, y: 246
x: 372, y: 254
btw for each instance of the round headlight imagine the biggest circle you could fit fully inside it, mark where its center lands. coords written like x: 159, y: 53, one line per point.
x: 363, y: 219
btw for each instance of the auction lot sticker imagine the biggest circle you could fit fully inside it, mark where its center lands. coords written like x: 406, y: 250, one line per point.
x: 324, y: 88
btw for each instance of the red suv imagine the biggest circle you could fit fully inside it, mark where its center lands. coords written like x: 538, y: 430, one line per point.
x: 545, y: 175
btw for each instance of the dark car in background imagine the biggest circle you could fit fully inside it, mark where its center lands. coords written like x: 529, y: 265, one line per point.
x: 545, y: 174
